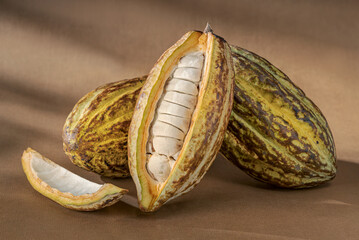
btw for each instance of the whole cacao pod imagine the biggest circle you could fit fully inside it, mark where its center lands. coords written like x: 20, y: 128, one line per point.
x: 276, y: 134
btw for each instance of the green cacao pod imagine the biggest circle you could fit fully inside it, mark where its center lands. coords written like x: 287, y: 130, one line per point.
x: 95, y: 132
x: 276, y: 134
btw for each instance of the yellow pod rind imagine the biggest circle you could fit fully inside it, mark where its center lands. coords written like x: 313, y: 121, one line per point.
x: 276, y: 133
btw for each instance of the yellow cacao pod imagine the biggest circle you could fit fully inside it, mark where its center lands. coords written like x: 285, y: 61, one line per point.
x: 276, y: 134
x: 95, y: 132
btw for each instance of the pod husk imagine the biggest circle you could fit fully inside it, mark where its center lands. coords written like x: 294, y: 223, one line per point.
x: 95, y: 132
x: 276, y: 134
x: 209, y: 121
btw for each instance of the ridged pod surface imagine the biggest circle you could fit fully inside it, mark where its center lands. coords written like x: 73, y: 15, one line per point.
x: 207, y: 124
x: 276, y: 134
x: 95, y: 132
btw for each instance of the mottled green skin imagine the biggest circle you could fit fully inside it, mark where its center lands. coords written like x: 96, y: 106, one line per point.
x: 276, y: 134
x: 95, y: 133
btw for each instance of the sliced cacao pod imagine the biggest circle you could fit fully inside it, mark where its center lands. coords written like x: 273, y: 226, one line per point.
x: 180, y: 118
x: 276, y: 134
x: 95, y: 132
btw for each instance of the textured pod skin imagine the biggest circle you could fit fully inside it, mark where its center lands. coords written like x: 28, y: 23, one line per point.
x: 209, y: 122
x: 95, y: 132
x: 260, y: 140
x: 276, y: 134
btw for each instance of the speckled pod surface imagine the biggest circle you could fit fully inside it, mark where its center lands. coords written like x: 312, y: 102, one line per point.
x: 95, y: 132
x: 276, y: 134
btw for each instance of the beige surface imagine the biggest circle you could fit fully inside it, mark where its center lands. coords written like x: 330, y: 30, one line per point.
x: 51, y: 54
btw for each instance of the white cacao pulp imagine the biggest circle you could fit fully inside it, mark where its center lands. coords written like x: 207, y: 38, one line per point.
x: 61, y: 179
x: 173, y: 115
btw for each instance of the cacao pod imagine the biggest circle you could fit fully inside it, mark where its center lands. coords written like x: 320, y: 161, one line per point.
x: 180, y: 118
x: 95, y: 132
x: 276, y: 134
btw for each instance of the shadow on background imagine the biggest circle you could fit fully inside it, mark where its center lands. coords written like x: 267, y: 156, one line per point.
x: 59, y: 19
x: 14, y: 135
x: 23, y: 108
x: 61, y: 26
x: 18, y: 92
x: 225, y: 186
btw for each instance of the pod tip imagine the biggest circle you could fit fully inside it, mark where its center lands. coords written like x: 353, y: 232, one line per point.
x: 208, y: 29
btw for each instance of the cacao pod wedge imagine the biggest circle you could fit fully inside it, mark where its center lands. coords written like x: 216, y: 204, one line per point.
x: 276, y: 134
x: 95, y: 132
x: 180, y: 118
x: 65, y: 187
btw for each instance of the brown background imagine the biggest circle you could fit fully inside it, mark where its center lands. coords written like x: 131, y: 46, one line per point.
x: 53, y: 52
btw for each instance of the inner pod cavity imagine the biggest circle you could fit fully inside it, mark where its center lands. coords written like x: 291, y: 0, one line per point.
x: 173, y: 115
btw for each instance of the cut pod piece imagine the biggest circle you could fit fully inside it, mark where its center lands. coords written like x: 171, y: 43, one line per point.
x: 65, y: 187
x: 180, y: 118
